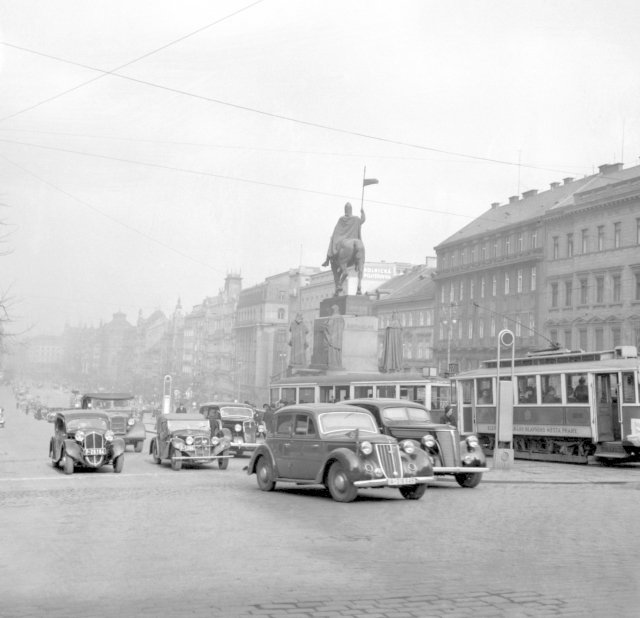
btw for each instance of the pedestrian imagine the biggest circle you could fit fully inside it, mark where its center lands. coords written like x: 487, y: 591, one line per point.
x: 181, y: 409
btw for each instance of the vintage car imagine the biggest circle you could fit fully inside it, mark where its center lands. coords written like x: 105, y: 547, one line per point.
x: 188, y: 439
x: 123, y: 415
x: 451, y: 455
x: 239, y: 419
x: 340, y: 447
x: 84, y: 438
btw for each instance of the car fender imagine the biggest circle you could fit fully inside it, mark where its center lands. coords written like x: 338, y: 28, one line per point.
x: 480, y: 459
x: 72, y: 449
x: 349, y: 460
x: 422, y: 461
x: 260, y: 451
x: 117, y: 447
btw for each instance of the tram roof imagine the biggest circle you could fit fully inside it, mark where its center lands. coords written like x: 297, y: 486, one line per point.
x: 358, y: 377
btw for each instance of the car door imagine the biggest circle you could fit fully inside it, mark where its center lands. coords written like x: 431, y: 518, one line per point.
x: 306, y: 448
x: 282, y: 444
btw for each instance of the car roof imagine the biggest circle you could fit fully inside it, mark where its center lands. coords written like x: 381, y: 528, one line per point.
x: 236, y: 404
x: 383, y: 402
x: 109, y: 396
x: 176, y: 416
x: 319, y: 408
x: 69, y: 415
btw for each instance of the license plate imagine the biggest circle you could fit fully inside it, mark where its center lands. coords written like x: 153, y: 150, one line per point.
x: 409, y: 481
x: 189, y: 447
x: 95, y: 451
x: 238, y: 441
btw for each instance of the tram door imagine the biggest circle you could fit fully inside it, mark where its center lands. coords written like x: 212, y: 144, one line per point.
x: 607, y: 406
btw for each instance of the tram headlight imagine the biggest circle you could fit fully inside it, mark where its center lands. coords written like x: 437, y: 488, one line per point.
x: 366, y: 448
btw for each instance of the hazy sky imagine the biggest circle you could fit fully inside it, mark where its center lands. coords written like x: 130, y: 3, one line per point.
x: 228, y: 135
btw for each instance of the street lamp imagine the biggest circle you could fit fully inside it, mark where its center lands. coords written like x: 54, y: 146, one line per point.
x: 450, y: 321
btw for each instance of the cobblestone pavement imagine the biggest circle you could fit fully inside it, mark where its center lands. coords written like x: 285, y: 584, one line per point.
x: 541, y: 539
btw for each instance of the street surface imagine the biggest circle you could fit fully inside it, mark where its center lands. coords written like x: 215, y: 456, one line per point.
x: 539, y: 540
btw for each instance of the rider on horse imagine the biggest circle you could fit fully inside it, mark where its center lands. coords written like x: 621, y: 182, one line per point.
x: 348, y: 227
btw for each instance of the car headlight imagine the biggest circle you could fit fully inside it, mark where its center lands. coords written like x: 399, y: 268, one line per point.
x: 189, y: 440
x: 429, y: 441
x: 108, y: 436
x: 408, y: 447
x: 131, y: 422
x: 79, y: 436
x: 238, y: 427
x: 215, y: 441
x: 366, y: 448
x: 262, y: 429
x: 472, y: 442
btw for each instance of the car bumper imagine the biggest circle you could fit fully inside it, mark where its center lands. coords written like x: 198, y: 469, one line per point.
x: 202, y: 457
x: 403, y: 482
x: 459, y: 470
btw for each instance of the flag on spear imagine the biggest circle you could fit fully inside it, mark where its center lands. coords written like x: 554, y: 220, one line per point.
x: 369, y: 181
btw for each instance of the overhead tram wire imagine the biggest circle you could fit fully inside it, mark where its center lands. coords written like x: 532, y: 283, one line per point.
x: 126, y: 64
x: 112, y: 218
x: 227, y: 177
x: 307, y: 123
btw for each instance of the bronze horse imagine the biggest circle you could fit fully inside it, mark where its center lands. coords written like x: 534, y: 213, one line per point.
x: 350, y: 253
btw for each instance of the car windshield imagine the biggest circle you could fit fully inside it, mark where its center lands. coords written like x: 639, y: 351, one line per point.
x: 110, y: 404
x: 335, y: 422
x: 188, y: 424
x: 228, y: 411
x: 85, y: 424
x: 405, y: 414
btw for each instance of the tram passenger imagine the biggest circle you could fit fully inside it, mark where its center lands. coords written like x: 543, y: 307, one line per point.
x: 550, y: 396
x: 485, y: 397
x: 581, y: 392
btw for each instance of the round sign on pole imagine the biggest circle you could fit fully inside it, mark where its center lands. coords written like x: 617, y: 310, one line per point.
x: 506, y: 338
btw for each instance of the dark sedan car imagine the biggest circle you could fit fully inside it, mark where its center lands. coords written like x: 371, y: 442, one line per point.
x: 83, y: 438
x: 122, y: 413
x: 403, y: 419
x: 240, y: 419
x: 341, y: 447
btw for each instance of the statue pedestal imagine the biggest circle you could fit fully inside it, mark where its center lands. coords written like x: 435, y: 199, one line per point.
x: 347, y: 305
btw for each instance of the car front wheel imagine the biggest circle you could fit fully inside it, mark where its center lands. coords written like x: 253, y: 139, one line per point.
x: 176, y: 463
x: 413, y: 492
x: 470, y: 479
x: 223, y: 464
x: 138, y: 447
x: 118, y: 463
x: 154, y: 453
x: 68, y: 464
x: 339, y: 485
x: 264, y: 474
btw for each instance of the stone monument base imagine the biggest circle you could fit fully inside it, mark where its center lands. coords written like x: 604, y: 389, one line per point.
x: 347, y: 305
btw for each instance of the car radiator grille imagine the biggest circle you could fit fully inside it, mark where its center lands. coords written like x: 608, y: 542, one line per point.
x: 389, y: 458
x: 94, y: 440
x: 249, y: 431
x: 201, y: 447
x: 119, y: 425
x: 449, y: 444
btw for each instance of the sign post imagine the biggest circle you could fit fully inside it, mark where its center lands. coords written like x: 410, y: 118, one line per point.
x: 166, y: 395
x: 503, y: 447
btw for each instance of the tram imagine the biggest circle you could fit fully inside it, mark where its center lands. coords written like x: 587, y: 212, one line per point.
x: 567, y: 406
x: 432, y: 392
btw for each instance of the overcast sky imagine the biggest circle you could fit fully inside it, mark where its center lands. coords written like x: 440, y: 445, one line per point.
x: 228, y: 135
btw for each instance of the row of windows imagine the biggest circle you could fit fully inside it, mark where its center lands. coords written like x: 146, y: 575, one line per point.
x: 599, y: 337
x: 407, y: 318
x: 498, y: 247
x: 518, y: 281
x: 602, y: 240
x: 522, y: 325
x: 596, y: 290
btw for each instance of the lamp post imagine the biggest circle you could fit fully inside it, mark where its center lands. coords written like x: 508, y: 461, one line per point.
x: 450, y: 321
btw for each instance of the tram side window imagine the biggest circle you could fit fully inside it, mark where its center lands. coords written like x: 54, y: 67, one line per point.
x: 550, y: 385
x: 387, y: 391
x: 527, y: 389
x: 363, y: 392
x: 628, y: 388
x: 485, y: 391
x: 307, y: 394
x: 467, y: 390
x: 289, y: 395
x: 577, y: 389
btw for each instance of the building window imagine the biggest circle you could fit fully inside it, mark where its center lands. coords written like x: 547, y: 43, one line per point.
x: 637, y: 276
x: 472, y: 288
x: 569, y: 245
x: 616, y: 289
x: 637, y: 231
x: 583, y: 291
x: 495, y: 248
x: 507, y: 246
x: 554, y: 294
x: 556, y: 247
x: 442, y: 295
x: 532, y: 324
x: 518, y: 332
x: 599, y: 289
x: 470, y: 331
x: 482, y: 287
x: 534, y: 240
x: 461, y: 296
x: 451, y: 293
x: 481, y: 329
x: 533, y: 278
x: 520, y: 243
x: 582, y: 337
x: 280, y: 314
x: 601, y: 238
x: 599, y: 333
x: 568, y: 293
x: 519, y: 281
x: 483, y: 253
x: 585, y: 241
x: 506, y: 283
x: 567, y: 338
x: 617, y: 229
x: 494, y: 286
x: 493, y: 327
x: 553, y: 335
x: 615, y: 336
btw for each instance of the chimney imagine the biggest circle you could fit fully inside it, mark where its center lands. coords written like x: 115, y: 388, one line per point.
x: 513, y: 199
x: 529, y: 193
x: 554, y: 185
x: 609, y: 168
x: 567, y: 180
x: 495, y: 204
